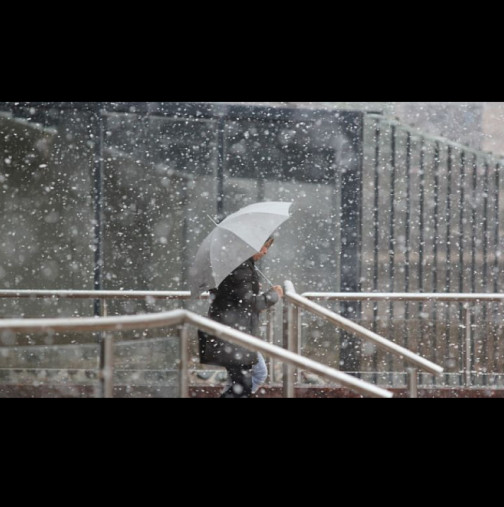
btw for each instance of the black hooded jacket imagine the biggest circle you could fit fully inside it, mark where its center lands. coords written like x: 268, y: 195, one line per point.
x: 236, y: 303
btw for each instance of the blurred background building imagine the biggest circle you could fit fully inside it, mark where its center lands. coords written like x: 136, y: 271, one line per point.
x: 479, y: 125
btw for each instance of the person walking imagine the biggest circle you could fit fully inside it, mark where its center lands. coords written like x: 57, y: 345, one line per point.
x: 237, y: 302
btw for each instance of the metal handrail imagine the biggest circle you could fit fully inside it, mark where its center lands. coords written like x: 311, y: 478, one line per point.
x: 422, y: 297
x: 361, y: 331
x: 341, y: 322
x: 181, y: 318
x: 453, y: 297
x: 98, y: 294
x: 149, y: 295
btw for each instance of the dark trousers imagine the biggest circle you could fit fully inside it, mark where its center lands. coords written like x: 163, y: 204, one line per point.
x: 241, y: 382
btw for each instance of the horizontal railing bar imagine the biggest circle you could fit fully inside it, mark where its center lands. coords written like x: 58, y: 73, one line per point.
x: 92, y: 324
x: 360, y: 331
x: 406, y: 296
x: 336, y: 296
x: 252, y: 343
x: 98, y: 294
x: 176, y: 317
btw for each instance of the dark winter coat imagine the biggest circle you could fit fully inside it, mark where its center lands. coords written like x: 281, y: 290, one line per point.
x: 236, y: 303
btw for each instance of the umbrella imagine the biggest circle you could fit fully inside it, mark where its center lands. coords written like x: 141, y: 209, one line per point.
x: 233, y: 241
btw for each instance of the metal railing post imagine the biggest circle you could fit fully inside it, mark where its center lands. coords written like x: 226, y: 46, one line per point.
x: 288, y: 344
x: 467, y: 345
x: 412, y: 382
x: 106, y: 374
x: 184, y: 358
x: 270, y: 337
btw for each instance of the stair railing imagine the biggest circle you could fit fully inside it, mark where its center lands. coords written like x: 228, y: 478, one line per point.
x: 181, y: 319
x: 291, y: 338
x: 464, y: 299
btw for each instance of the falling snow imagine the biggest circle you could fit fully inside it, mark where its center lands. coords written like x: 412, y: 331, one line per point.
x: 408, y: 200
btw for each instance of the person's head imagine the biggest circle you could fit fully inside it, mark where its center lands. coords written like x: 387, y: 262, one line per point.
x: 264, y: 249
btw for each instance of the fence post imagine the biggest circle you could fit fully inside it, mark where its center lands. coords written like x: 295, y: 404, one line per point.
x: 106, y: 365
x: 98, y: 206
x: 270, y: 338
x: 412, y: 382
x: 467, y: 345
x: 183, y: 366
x: 298, y: 345
x: 289, y: 319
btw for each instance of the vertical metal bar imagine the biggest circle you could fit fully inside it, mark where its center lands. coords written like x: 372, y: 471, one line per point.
x: 474, y: 202
x: 468, y: 347
x: 104, y: 339
x: 412, y: 382
x: 435, y: 248
x: 462, y: 207
x: 448, y: 219
x: 270, y: 337
x: 461, y: 248
x: 408, y: 213
x: 473, y: 223
x: 486, y: 334
x: 297, y: 339
x: 288, y: 343
x: 421, y: 233
x: 98, y: 207
x: 391, y: 243
x: 495, y: 273
x: 407, y: 237
x: 392, y: 212
x: 486, y: 191
x: 220, y: 169
x: 436, y: 216
x: 496, y: 229
x: 474, y: 205
x: 421, y: 223
x: 376, y: 209
x: 184, y: 359
x: 106, y: 366
x: 376, y: 231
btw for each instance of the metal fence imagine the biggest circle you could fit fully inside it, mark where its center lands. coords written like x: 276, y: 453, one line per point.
x: 179, y: 319
x: 433, y: 216
x: 432, y: 222
x: 460, y: 335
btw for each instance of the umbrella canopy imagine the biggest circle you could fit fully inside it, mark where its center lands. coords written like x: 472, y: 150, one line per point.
x: 233, y: 241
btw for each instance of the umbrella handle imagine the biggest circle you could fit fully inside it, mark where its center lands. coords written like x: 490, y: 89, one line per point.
x: 264, y: 276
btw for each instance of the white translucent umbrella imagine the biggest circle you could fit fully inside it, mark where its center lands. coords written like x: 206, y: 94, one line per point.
x: 233, y: 241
